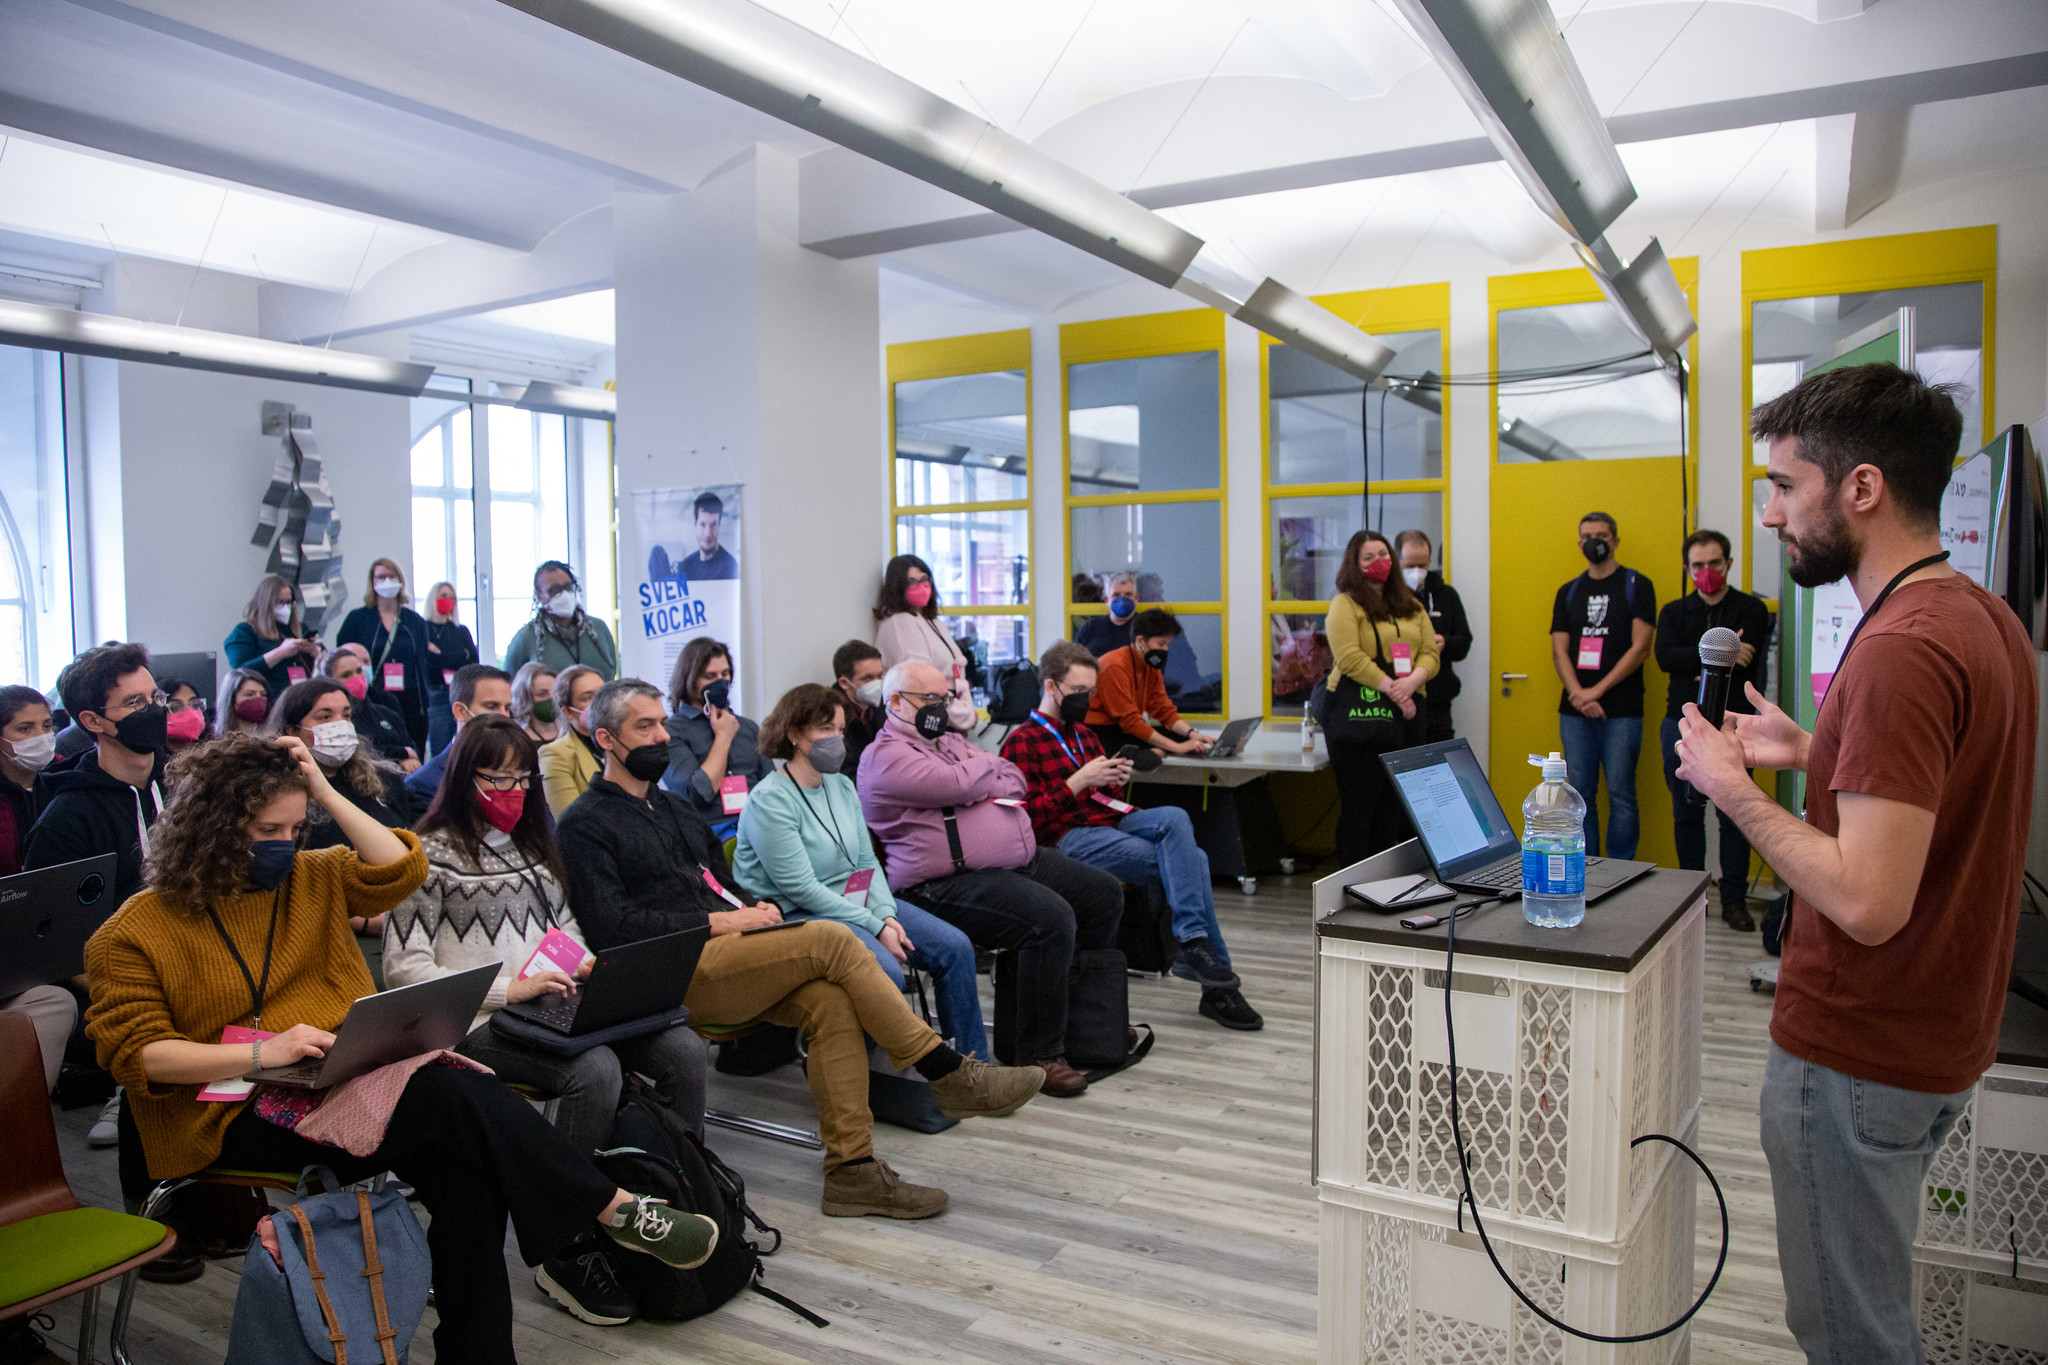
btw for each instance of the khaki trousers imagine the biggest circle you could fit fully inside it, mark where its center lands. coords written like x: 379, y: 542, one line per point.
x: 819, y: 978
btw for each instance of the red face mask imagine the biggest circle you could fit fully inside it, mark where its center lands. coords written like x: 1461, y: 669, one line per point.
x: 253, y: 709
x: 445, y: 605
x: 186, y: 725
x: 357, y: 686
x: 502, y: 809
x: 1709, y: 581
x: 919, y: 595
x: 1379, y: 570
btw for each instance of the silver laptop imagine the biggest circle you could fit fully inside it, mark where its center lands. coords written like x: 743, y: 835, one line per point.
x: 390, y: 1027
x: 47, y: 915
x: 1467, y: 835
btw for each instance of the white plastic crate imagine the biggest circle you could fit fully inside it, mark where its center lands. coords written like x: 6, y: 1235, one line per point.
x: 1987, y: 1191
x: 1431, y: 1296
x: 1559, y: 1068
x: 1974, y: 1312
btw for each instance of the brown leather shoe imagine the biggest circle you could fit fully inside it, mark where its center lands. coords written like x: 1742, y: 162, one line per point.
x: 978, y: 1090
x: 872, y: 1190
x: 1062, y: 1082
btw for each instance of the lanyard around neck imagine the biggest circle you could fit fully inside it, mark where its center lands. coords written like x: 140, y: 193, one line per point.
x: 1057, y: 738
x: 833, y: 828
x: 532, y: 882
x: 1901, y: 576
x: 257, y: 989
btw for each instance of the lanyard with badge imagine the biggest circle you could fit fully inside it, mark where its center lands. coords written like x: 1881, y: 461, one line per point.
x: 861, y: 878
x: 1901, y: 576
x: 1095, y: 793
x: 259, y: 988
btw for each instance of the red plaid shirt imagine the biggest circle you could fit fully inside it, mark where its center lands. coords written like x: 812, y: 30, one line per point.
x: 1046, y: 765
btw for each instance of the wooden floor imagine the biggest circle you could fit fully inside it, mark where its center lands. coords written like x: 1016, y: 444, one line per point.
x: 1165, y: 1216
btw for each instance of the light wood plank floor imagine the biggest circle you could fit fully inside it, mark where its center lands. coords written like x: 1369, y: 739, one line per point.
x: 1165, y: 1216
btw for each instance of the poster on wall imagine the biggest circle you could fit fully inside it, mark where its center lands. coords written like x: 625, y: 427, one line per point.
x: 1835, y: 614
x: 1966, y: 518
x: 685, y: 572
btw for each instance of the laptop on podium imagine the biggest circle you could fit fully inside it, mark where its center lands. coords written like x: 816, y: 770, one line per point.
x: 1469, y: 839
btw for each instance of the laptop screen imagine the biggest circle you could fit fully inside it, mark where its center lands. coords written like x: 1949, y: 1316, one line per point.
x: 1455, y: 812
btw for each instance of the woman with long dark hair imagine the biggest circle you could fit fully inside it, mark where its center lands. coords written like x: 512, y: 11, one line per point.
x: 1385, y: 653
x: 492, y: 893
x: 907, y: 630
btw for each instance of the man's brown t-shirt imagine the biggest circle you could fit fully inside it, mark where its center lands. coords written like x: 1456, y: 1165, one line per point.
x: 1935, y: 707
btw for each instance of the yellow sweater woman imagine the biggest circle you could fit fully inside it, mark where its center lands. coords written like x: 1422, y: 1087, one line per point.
x: 1380, y: 638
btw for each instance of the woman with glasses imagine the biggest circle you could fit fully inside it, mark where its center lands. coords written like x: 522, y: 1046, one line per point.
x: 561, y: 632
x: 185, y: 725
x: 492, y: 893
x: 271, y: 639
x: 907, y: 630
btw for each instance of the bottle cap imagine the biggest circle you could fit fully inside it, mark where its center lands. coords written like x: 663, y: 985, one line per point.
x: 1553, y: 766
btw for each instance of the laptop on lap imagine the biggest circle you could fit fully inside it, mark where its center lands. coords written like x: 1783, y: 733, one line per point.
x: 390, y: 1027
x: 630, y: 981
x: 1468, y: 837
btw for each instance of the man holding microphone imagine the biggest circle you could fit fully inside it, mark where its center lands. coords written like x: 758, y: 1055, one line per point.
x: 1906, y: 871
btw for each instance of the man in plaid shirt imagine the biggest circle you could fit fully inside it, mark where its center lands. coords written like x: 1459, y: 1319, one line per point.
x: 1073, y: 803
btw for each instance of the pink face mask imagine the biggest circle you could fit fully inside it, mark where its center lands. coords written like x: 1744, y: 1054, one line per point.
x: 186, y: 725
x: 919, y: 595
x: 357, y: 686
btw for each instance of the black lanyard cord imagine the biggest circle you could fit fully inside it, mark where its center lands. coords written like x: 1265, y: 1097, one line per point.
x: 532, y: 883
x: 257, y: 990
x: 832, y: 829
x: 1901, y: 576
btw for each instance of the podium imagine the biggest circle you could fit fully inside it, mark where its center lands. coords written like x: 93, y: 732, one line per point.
x: 1571, y: 1042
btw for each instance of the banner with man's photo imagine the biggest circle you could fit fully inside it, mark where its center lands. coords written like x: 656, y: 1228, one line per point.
x: 682, y: 576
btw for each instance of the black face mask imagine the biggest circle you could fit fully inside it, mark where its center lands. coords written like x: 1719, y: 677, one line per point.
x: 717, y: 693
x: 1595, y: 549
x: 270, y: 862
x: 645, y: 762
x: 1156, y: 658
x: 1074, y: 707
x: 931, y: 720
x: 142, y: 730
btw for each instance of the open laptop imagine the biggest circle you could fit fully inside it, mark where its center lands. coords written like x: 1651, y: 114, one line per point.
x: 1464, y: 830
x: 47, y: 915
x: 390, y: 1027
x: 630, y: 981
x: 1231, y: 742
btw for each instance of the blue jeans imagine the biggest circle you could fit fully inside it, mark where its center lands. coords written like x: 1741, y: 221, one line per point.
x: 1849, y: 1161
x: 1156, y: 848
x: 1591, y: 746
x: 945, y: 952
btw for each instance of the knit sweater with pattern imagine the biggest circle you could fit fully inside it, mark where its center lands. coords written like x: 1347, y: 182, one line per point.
x: 471, y: 912
x: 158, y: 974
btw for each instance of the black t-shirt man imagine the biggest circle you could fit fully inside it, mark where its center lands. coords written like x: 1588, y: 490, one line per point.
x: 1679, y: 628
x: 1595, y: 614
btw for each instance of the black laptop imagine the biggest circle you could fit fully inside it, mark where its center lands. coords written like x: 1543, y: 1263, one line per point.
x: 428, y: 1016
x: 1467, y: 835
x: 630, y: 981
x: 47, y: 915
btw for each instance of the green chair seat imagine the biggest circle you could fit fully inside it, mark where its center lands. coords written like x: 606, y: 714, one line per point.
x: 38, y: 1255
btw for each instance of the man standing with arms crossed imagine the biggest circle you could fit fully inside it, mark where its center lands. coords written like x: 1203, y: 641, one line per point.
x: 1906, y: 871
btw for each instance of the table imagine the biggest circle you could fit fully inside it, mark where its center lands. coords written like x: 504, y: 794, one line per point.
x: 1230, y: 803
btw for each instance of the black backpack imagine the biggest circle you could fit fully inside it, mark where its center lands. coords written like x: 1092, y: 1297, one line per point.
x: 652, y: 1153
x: 1013, y: 693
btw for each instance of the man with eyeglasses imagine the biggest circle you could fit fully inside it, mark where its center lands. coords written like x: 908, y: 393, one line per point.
x: 956, y: 839
x: 1708, y: 559
x: 104, y: 801
x: 476, y: 690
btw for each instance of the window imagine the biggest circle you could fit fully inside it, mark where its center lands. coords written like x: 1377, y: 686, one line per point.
x: 35, y: 541
x: 443, y: 505
x: 1340, y: 458
x: 961, y: 486
x: 1144, y: 475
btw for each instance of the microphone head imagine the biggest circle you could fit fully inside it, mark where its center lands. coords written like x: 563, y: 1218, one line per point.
x: 1720, y: 648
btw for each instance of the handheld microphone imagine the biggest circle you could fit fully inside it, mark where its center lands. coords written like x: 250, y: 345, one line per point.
x: 1720, y: 650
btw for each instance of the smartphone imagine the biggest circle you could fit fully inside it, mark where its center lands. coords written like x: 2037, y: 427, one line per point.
x: 771, y: 928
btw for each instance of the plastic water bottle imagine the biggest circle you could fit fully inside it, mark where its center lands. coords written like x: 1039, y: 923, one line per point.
x: 1553, y: 849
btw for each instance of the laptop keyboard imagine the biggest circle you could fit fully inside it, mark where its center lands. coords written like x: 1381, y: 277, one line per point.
x: 555, y: 1011
x: 1505, y: 875
x: 299, y: 1071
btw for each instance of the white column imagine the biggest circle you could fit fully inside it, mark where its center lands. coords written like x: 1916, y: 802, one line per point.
x: 1048, y: 508
x: 1244, y: 593
x: 1470, y: 454
x: 743, y: 358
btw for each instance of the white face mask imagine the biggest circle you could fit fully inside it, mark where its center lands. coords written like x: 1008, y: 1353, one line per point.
x: 387, y: 587
x: 282, y: 613
x: 1413, y: 578
x: 335, y: 741
x: 869, y: 692
x: 563, y: 603
x: 35, y: 752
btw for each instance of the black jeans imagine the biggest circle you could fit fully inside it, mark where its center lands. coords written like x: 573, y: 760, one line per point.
x: 1042, y: 912
x: 475, y: 1152
x: 1437, y: 725
x: 1370, y: 817
x: 1689, y: 828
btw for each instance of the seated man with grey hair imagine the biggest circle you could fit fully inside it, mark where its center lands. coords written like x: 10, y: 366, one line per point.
x: 642, y: 863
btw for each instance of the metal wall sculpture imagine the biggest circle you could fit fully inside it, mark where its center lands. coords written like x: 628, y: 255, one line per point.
x: 297, y: 519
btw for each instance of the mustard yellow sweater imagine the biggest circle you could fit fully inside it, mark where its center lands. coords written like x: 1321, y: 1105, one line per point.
x: 156, y: 973
x: 1351, y: 644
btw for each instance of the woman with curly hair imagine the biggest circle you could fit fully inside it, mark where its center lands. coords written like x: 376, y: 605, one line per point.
x: 237, y: 926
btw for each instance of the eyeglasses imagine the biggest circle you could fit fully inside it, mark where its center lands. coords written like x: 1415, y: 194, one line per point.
x: 1067, y: 691
x: 926, y: 698
x: 523, y: 782
x: 136, y: 701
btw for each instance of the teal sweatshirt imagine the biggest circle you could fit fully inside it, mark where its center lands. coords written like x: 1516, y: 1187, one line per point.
x: 800, y: 855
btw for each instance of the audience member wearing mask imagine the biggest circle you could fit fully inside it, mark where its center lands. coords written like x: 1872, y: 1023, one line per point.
x: 1380, y: 638
x: 395, y: 637
x: 477, y: 690
x: 1131, y: 705
x: 927, y: 790
x: 568, y: 764
x: 106, y: 800
x: 642, y: 862
x: 561, y: 634
x: 185, y: 726
x: 243, y: 702
x: 450, y: 646
x: 271, y: 640
x: 320, y: 713
x: 907, y: 630
x: 857, y: 673
x: 28, y: 744
x: 805, y: 846
x: 1101, y: 634
x: 1075, y: 806
x: 714, y: 753
x: 1602, y: 625
x: 492, y: 893
x: 349, y: 665
x: 533, y: 703
x: 73, y: 739
x: 1446, y: 622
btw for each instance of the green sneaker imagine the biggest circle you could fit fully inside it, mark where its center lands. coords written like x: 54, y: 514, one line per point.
x: 683, y: 1240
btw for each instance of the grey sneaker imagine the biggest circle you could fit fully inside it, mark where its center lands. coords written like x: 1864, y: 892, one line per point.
x: 106, y: 1129
x: 683, y: 1240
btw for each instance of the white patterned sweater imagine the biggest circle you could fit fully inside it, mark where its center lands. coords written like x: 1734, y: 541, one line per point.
x: 470, y: 912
